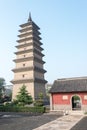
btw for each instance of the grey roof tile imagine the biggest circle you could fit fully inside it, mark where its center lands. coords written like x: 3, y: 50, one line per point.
x: 69, y: 85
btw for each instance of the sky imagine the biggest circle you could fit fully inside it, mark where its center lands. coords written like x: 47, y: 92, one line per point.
x: 63, y: 27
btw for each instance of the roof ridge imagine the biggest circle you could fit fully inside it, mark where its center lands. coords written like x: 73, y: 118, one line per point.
x: 72, y: 78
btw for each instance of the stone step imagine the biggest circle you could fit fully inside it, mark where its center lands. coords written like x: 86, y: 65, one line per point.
x: 76, y: 112
x: 59, y: 112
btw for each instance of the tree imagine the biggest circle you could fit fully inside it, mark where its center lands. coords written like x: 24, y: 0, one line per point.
x: 2, y: 87
x: 39, y: 101
x: 76, y: 98
x: 40, y: 96
x: 24, y: 97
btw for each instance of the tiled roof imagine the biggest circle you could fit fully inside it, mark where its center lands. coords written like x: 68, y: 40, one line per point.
x: 69, y: 85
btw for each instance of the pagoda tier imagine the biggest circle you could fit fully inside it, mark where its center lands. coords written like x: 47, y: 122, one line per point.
x: 29, y: 81
x: 29, y: 50
x: 29, y: 59
x: 30, y: 44
x: 16, y: 70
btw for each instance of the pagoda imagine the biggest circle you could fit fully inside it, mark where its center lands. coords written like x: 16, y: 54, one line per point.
x: 29, y: 62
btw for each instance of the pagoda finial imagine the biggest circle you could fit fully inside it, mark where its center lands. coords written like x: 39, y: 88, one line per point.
x: 29, y: 19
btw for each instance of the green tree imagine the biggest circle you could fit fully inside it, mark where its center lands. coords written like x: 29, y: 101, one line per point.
x: 2, y: 87
x: 23, y: 96
x: 40, y: 96
x: 39, y: 101
x: 76, y: 97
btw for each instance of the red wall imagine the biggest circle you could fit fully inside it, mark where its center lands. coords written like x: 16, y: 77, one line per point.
x: 58, y: 98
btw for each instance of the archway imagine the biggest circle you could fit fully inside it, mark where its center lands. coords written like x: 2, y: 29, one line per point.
x: 76, y: 102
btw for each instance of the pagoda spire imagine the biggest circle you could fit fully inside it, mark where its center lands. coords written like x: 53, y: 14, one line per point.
x: 29, y: 19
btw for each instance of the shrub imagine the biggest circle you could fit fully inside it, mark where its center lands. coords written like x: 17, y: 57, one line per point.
x: 8, y: 108
x: 38, y: 102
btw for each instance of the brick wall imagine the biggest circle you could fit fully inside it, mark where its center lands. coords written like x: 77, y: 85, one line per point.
x: 64, y: 100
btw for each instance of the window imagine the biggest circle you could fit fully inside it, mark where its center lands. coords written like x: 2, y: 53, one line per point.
x: 23, y: 75
x: 85, y: 97
x: 65, y: 97
x: 23, y: 64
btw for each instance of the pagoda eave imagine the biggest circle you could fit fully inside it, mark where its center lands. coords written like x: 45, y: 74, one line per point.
x: 20, y: 81
x: 40, y: 81
x: 29, y: 51
x: 25, y: 39
x: 25, y: 29
x: 29, y: 23
x: 24, y: 51
x: 24, y: 45
x: 28, y: 33
x: 29, y: 38
x: 30, y: 44
x: 22, y: 69
x: 29, y: 59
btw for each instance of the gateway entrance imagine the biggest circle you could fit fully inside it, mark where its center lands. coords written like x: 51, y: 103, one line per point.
x: 76, y: 102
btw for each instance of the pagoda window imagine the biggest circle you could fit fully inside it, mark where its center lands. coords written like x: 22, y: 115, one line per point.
x: 23, y: 64
x: 23, y: 75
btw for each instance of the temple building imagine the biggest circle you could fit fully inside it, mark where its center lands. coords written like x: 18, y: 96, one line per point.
x: 29, y: 70
x: 69, y: 94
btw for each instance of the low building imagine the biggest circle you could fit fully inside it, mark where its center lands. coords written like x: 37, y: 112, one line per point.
x: 69, y: 94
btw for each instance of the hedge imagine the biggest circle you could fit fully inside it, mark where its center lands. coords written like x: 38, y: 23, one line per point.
x: 22, y: 109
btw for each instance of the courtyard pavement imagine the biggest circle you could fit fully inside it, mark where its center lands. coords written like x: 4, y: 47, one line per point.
x: 25, y: 121
x: 81, y: 125
x: 63, y: 123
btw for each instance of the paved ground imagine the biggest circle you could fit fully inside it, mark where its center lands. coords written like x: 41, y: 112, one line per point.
x: 23, y: 121
x: 15, y: 121
x: 81, y: 125
x: 62, y: 123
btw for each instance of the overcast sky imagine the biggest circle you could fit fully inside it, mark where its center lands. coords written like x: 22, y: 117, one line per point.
x: 63, y: 26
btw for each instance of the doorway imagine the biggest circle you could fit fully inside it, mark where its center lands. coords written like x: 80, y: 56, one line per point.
x: 76, y: 102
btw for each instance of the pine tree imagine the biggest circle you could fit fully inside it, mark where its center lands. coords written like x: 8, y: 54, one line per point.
x: 2, y: 88
x: 24, y: 97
